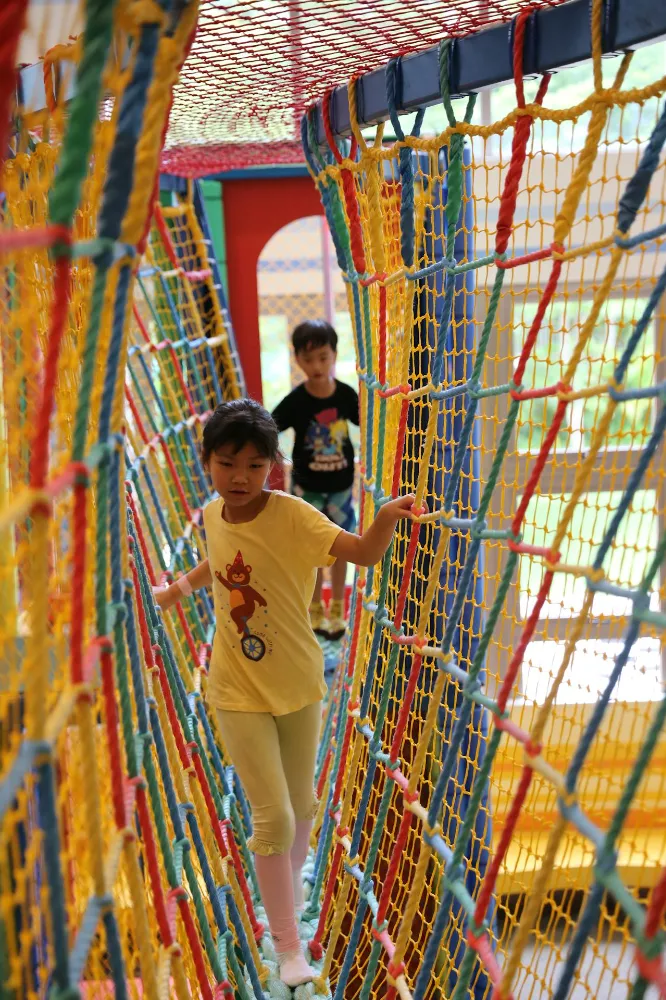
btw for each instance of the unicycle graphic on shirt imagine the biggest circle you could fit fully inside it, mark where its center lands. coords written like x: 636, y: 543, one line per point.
x: 243, y: 599
x: 253, y: 646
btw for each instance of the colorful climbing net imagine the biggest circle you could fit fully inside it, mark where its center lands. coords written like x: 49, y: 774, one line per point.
x: 122, y: 835
x: 492, y: 765
x: 482, y: 748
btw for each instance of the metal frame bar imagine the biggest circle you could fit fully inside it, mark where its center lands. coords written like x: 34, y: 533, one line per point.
x: 555, y: 38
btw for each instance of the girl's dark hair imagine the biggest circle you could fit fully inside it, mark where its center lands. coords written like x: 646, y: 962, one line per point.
x: 312, y: 334
x: 240, y: 422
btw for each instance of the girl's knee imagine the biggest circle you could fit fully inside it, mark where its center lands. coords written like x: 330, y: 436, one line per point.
x: 305, y: 806
x: 273, y: 830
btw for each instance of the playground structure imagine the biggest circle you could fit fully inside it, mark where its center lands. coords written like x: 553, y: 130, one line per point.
x: 493, y: 755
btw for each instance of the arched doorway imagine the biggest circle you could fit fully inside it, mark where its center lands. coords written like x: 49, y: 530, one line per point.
x: 298, y: 279
x: 255, y: 209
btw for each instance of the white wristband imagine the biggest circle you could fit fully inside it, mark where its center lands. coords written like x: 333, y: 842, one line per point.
x: 184, y: 586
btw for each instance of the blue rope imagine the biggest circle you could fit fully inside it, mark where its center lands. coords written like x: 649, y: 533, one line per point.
x: 237, y: 924
x: 406, y: 164
x: 637, y: 188
x: 165, y: 771
x: 632, y: 485
x: 116, y: 960
x: 158, y: 507
x: 120, y: 169
x: 640, y: 328
x: 586, y: 925
x: 48, y: 817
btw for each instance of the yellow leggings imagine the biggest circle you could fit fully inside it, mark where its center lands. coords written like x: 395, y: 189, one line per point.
x: 274, y: 757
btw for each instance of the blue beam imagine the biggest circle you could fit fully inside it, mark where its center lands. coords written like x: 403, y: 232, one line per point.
x: 169, y: 182
x: 555, y: 37
x: 260, y: 173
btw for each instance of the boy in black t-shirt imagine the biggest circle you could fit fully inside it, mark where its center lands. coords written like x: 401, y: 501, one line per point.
x: 323, y: 456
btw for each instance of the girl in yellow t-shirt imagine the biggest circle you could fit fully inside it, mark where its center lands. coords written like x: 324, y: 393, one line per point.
x: 266, y: 678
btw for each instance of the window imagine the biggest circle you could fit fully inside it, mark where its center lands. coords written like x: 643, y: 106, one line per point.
x: 556, y: 340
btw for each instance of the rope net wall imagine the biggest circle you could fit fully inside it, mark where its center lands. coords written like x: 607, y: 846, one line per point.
x: 492, y: 766
x: 493, y: 820
x: 117, y: 819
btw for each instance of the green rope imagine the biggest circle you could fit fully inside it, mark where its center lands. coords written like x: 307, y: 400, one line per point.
x: 160, y: 821
x: 75, y: 156
x: 488, y: 324
x: 202, y: 918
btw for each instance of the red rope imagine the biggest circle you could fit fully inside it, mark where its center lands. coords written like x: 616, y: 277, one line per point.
x: 216, y: 822
x: 521, y: 136
x: 189, y: 638
x: 406, y: 706
x: 528, y: 632
x: 349, y: 191
x: 153, y: 657
x: 394, y: 864
x: 152, y: 863
x: 539, y: 464
x: 343, y: 758
x: 491, y: 875
x: 356, y: 628
x: 113, y: 739
x: 232, y: 847
x: 163, y: 230
x: 382, y: 333
x: 141, y: 537
x: 39, y: 238
x: 79, y: 547
x: 181, y: 378
x: 544, y: 302
x: 395, y: 971
x: 12, y: 23
x: 195, y: 948
x: 400, y: 447
x: 183, y: 751
x: 407, y: 574
x: 59, y: 311
x: 656, y: 907
x: 324, y: 773
x: 141, y: 324
x: 135, y: 414
x: 315, y: 945
x: 176, y: 479
x: 549, y: 390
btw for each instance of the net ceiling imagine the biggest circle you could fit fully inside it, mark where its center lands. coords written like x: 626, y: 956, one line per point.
x: 255, y: 65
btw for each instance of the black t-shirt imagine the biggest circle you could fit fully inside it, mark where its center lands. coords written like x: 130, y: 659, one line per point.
x: 323, y: 455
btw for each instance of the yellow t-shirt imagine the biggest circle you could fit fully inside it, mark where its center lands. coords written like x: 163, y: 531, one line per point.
x: 265, y: 656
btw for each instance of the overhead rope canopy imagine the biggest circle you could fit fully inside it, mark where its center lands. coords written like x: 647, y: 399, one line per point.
x: 256, y: 66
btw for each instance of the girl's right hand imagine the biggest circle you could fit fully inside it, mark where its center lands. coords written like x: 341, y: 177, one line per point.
x: 162, y: 597
x: 399, y: 508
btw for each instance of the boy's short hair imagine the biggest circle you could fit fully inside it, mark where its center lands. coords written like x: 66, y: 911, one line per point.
x: 240, y: 422
x: 312, y: 334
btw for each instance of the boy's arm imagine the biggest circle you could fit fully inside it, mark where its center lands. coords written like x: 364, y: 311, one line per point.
x: 368, y: 549
x: 197, y: 578
x: 282, y: 415
x: 353, y: 407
